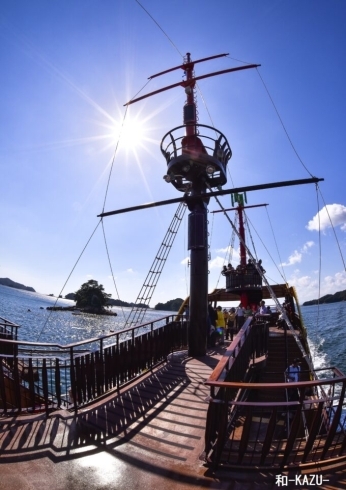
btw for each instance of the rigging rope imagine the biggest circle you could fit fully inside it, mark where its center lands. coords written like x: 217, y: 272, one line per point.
x: 205, y: 105
x: 272, y: 259
x: 332, y: 226
x: 283, y: 126
x: 320, y: 258
x: 104, y: 203
x: 276, y: 245
x: 111, y: 268
x: 45, y: 324
x: 246, y: 222
x: 229, y: 251
x: 271, y: 292
x: 112, y: 164
x: 158, y: 25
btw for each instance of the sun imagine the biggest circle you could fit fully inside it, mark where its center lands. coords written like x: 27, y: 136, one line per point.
x: 130, y: 133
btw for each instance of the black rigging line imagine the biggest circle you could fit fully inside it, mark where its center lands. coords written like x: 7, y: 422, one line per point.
x: 111, y: 268
x: 276, y: 245
x: 284, y: 127
x: 106, y: 193
x: 320, y: 250
x: 45, y: 324
x: 158, y: 25
x: 238, y: 61
x: 332, y: 226
x: 112, y: 164
x: 117, y: 145
x: 265, y: 247
x: 317, y: 340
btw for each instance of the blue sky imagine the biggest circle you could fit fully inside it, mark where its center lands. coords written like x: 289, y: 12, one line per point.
x: 67, y: 68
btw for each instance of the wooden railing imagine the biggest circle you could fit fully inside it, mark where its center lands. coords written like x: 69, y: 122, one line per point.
x: 41, y: 376
x: 244, y: 432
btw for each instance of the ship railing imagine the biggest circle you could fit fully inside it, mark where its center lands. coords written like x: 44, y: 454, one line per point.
x: 46, y: 376
x: 8, y: 328
x: 8, y: 331
x: 243, y: 432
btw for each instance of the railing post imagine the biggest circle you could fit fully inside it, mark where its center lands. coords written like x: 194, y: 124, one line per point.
x: 117, y: 353
x: 151, y: 345
x: 73, y: 381
x: 2, y: 386
x: 57, y: 382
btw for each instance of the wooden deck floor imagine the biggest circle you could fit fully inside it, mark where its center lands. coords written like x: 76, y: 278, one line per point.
x: 148, y: 436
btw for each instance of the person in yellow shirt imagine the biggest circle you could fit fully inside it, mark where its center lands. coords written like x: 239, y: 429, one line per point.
x: 225, y: 316
x: 220, y: 323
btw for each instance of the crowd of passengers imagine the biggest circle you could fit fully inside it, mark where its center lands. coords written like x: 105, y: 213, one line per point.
x: 249, y: 275
x: 249, y: 268
x: 223, y: 324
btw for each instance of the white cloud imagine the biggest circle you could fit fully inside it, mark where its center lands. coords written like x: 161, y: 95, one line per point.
x: 307, y: 245
x: 216, y: 263
x: 335, y: 213
x: 335, y: 283
x: 185, y: 261
x: 235, y: 253
x: 130, y: 271
x: 308, y: 287
x: 296, y: 256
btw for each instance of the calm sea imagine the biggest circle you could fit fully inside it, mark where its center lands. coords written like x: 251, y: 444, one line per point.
x: 29, y: 311
x: 326, y: 325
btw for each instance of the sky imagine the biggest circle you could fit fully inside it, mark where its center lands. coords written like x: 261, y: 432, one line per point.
x: 68, y: 68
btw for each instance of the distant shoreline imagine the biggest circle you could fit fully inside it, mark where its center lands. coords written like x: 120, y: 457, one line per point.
x: 328, y: 298
x: 5, y: 281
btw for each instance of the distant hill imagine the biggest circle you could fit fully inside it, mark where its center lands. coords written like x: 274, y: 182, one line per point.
x: 119, y: 302
x: 70, y: 296
x: 328, y: 298
x: 172, y: 305
x: 5, y: 281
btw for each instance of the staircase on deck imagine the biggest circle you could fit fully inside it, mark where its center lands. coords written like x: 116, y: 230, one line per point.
x: 282, y: 349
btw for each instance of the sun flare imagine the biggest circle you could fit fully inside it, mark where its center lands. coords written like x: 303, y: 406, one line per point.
x: 130, y: 133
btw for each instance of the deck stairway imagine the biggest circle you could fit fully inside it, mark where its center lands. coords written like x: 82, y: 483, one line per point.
x: 276, y: 362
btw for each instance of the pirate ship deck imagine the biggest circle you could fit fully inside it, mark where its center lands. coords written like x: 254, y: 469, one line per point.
x: 251, y: 421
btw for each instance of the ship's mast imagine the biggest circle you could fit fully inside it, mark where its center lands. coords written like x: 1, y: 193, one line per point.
x: 197, y: 156
x: 197, y: 162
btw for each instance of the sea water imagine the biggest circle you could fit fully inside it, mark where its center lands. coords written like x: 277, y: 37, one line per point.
x: 37, y: 324
x: 326, y: 327
x: 325, y: 324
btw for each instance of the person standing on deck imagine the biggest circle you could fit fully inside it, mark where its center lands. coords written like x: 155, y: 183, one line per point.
x: 230, y: 324
x: 240, y: 318
x: 212, y: 319
x: 293, y: 371
x: 248, y: 312
x: 292, y: 376
x: 225, y: 316
x: 262, y: 309
x: 221, y: 324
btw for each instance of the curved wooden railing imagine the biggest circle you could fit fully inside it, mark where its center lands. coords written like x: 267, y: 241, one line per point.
x: 45, y: 376
x: 244, y: 432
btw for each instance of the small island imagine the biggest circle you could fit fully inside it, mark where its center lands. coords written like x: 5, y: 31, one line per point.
x: 328, y: 298
x: 90, y: 298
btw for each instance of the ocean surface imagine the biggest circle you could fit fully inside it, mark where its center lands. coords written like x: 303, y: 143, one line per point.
x: 326, y: 324
x: 37, y: 324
